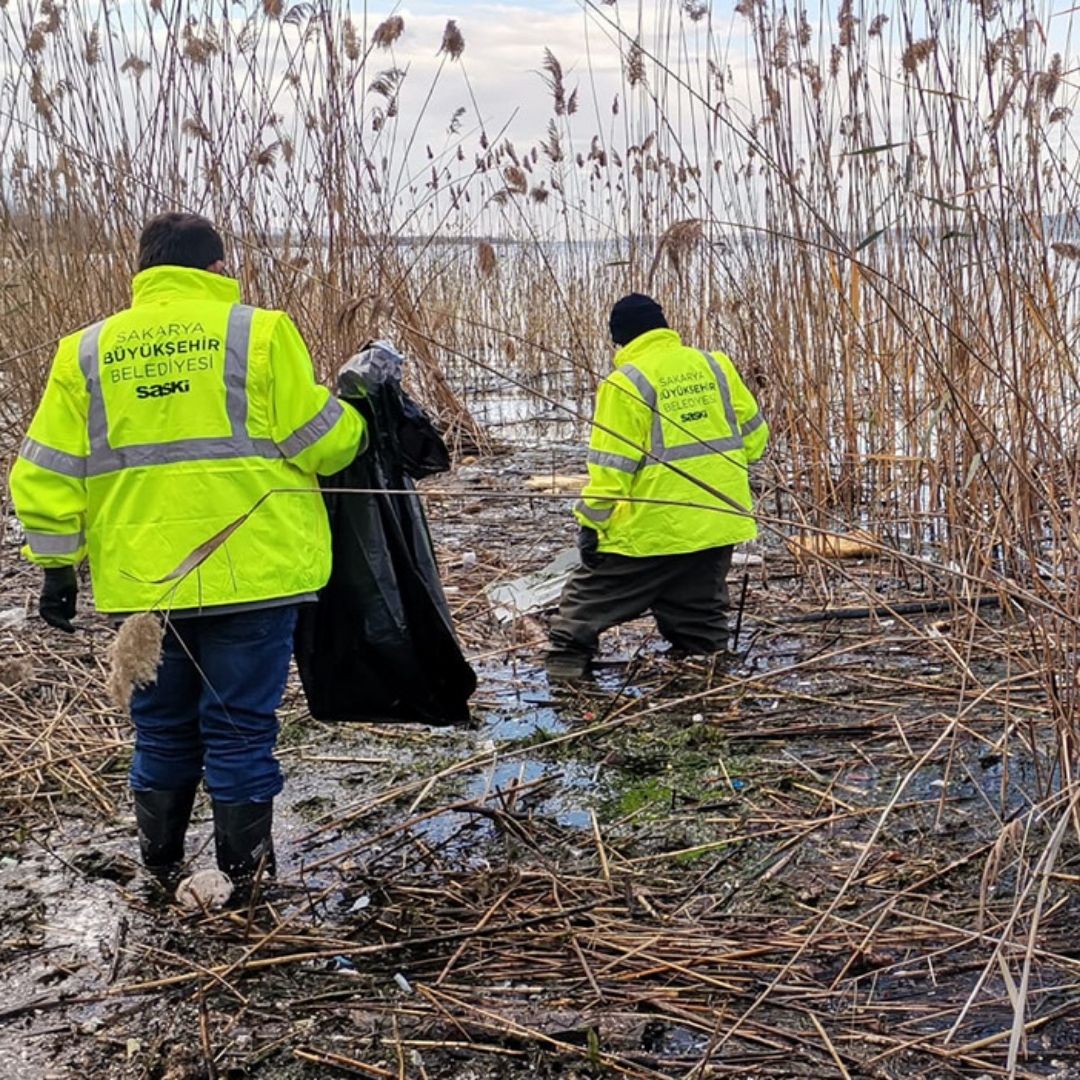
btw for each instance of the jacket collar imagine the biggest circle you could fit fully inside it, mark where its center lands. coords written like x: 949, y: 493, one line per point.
x: 163, y: 283
x: 633, y: 352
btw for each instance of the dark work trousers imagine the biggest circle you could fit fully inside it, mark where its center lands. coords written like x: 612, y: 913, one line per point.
x: 686, y: 594
x: 211, y: 713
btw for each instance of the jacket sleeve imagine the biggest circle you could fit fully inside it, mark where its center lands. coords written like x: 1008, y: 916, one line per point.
x: 315, y: 431
x: 617, y: 447
x: 752, y: 426
x: 48, y: 479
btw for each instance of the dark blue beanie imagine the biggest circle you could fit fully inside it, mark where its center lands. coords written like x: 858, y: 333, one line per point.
x: 633, y: 316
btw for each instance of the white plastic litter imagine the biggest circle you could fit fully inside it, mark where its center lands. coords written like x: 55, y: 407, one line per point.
x: 377, y: 363
x: 533, y: 592
x: 540, y: 590
x: 205, y: 890
x: 12, y: 618
x: 360, y: 904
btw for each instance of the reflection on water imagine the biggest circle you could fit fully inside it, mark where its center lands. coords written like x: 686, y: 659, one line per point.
x: 523, y: 409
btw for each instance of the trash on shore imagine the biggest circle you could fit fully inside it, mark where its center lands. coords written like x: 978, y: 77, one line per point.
x: 554, y: 482
x: 857, y: 544
x: 205, y: 890
x: 13, y: 618
x: 540, y: 590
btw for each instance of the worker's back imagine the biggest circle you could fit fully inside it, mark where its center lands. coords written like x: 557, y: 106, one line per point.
x: 178, y: 416
x: 675, y: 425
x: 668, y: 495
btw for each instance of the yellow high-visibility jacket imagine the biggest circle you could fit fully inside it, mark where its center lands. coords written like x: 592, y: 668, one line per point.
x: 674, y: 424
x: 165, y: 423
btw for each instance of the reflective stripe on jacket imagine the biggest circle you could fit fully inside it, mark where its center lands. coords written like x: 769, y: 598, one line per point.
x: 675, y: 425
x: 164, y: 424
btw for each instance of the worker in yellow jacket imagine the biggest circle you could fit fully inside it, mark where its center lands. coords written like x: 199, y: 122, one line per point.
x: 668, y: 496
x: 160, y: 428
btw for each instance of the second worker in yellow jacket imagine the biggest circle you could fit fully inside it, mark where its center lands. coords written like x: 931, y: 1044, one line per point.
x: 668, y: 497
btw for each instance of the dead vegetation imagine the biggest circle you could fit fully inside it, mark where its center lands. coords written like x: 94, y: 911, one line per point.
x: 866, y: 864
x: 850, y: 853
x: 134, y: 655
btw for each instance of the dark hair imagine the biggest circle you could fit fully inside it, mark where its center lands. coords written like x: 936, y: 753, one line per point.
x: 178, y: 239
x: 633, y: 316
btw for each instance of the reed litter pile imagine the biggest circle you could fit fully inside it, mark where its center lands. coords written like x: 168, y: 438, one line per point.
x: 848, y: 853
x: 851, y: 853
x: 60, y: 743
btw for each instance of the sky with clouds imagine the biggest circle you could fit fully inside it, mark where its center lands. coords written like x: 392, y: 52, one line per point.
x: 498, y: 83
x: 504, y: 51
x: 505, y: 43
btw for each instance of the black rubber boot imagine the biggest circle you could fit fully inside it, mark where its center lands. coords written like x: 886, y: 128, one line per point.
x: 163, y: 817
x: 565, y: 666
x: 243, y: 839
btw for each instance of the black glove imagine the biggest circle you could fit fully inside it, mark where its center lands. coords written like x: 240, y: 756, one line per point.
x: 58, y: 595
x: 587, y: 541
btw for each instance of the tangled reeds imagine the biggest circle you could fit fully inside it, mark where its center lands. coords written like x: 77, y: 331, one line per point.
x: 62, y: 749
x: 875, y: 216
x: 850, y: 854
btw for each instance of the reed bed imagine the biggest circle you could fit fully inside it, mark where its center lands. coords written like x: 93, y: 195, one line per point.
x: 61, y: 745
x: 874, y: 213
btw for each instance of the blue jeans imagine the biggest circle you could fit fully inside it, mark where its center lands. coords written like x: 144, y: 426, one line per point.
x: 211, y: 714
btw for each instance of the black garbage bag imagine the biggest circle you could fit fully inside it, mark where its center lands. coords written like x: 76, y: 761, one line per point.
x: 380, y: 645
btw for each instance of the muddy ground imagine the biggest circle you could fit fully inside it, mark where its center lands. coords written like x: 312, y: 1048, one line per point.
x: 785, y: 863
